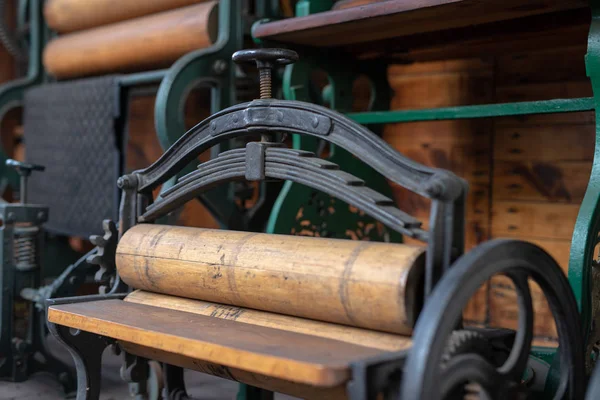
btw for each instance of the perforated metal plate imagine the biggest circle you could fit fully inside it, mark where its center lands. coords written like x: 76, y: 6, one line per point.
x: 74, y: 129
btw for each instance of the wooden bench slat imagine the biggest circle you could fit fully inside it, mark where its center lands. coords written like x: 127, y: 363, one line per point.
x: 284, y: 355
x: 343, y: 333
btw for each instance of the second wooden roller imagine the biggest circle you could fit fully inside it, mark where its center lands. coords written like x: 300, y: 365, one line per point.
x: 139, y: 44
x: 74, y: 15
x: 357, y: 283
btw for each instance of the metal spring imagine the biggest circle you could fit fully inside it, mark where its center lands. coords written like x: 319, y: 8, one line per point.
x: 24, y: 247
x: 265, y: 83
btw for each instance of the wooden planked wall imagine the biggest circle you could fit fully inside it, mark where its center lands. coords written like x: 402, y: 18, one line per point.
x: 528, y: 174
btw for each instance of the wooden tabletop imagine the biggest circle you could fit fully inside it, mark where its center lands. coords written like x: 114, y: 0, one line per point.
x: 272, y: 352
x: 396, y: 18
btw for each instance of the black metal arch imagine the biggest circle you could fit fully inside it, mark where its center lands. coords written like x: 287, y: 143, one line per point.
x: 264, y: 116
x: 445, y: 238
x: 295, y: 165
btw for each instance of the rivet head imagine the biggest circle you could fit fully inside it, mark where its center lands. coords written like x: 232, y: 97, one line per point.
x: 235, y: 118
x: 213, y: 125
x: 220, y: 66
x: 126, y: 182
x: 315, y: 122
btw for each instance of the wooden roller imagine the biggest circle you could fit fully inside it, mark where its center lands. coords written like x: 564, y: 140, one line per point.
x: 363, y: 284
x: 74, y: 15
x: 136, y: 45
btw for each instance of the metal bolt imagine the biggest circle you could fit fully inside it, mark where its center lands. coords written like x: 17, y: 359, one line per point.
x: 266, y: 60
x: 265, y: 82
x: 41, y: 215
x: 126, y: 182
x: 220, y: 66
x: 264, y: 75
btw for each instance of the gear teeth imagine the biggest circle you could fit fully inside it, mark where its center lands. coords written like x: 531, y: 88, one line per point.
x: 106, y: 250
x: 466, y: 341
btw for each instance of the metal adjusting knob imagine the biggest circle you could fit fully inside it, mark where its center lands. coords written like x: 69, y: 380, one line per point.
x: 24, y: 170
x: 266, y: 60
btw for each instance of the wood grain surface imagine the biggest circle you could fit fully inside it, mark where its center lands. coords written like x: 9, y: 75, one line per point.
x: 534, y: 219
x: 343, y: 4
x: 74, y: 15
x: 387, y: 19
x: 299, y: 390
x: 139, y: 44
x: 358, y: 283
x: 363, y: 337
x: 272, y: 352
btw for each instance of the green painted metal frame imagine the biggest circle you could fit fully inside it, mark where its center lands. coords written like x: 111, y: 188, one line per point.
x: 200, y: 67
x: 307, y: 7
x: 211, y: 67
x: 584, y: 274
x: 479, y: 111
x: 292, y: 198
x: 11, y: 93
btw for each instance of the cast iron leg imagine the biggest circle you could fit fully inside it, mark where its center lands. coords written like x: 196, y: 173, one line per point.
x: 247, y: 392
x: 50, y: 364
x: 86, y: 349
x: 174, y: 382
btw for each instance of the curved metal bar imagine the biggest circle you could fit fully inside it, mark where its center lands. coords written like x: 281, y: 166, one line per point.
x: 302, y: 118
x: 197, y: 67
x: 11, y: 94
x: 294, y: 165
x: 583, y: 276
x: 212, y: 67
x: 85, y: 348
x: 519, y: 355
x: 593, y: 390
x: 444, y: 309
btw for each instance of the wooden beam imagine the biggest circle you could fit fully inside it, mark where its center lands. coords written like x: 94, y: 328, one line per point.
x: 389, y: 19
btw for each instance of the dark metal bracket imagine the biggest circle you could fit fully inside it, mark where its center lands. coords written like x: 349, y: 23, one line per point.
x: 377, y: 376
x: 281, y: 163
x: 269, y: 116
x: 85, y: 348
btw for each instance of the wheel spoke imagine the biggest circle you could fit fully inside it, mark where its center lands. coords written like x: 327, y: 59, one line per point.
x: 516, y: 363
